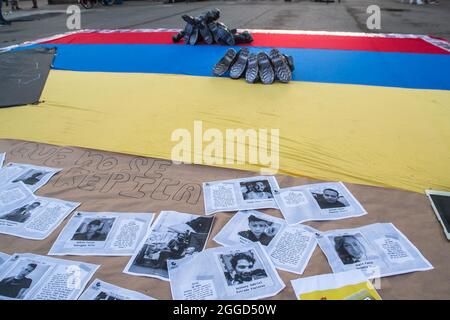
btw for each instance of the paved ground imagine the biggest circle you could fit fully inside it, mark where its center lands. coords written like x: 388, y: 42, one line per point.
x: 349, y: 15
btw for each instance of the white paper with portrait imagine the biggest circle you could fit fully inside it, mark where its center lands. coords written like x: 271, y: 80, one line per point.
x: 2, y: 158
x: 240, y: 194
x: 102, y: 234
x: 316, y: 202
x: 37, y: 219
x: 289, y: 247
x: 14, y: 196
x: 378, y: 250
x: 174, y: 236
x: 32, y: 176
x: 101, y: 290
x: 3, y: 257
x: 27, y: 276
x: 239, y: 272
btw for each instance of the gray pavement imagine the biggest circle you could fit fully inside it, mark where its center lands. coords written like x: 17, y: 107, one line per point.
x: 349, y: 15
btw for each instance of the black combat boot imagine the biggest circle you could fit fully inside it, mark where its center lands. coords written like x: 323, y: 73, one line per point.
x: 225, y: 62
x: 238, y: 68
x: 280, y: 66
x: 266, y: 73
x: 221, y: 33
x: 244, y: 37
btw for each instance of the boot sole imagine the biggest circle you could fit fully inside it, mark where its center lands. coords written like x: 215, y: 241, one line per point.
x: 194, y: 37
x: 290, y: 61
x: 280, y: 66
x: 251, y: 75
x: 266, y: 72
x: 213, y: 29
x: 201, y: 27
x: 206, y: 34
x: 188, y: 29
x: 238, y: 68
x: 224, y: 63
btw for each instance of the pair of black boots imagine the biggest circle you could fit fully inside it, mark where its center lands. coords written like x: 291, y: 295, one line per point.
x: 267, y: 68
x: 206, y: 27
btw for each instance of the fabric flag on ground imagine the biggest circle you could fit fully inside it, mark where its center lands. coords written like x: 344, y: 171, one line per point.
x: 368, y: 109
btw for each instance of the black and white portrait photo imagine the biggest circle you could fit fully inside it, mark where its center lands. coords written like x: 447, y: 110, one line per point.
x: 172, y: 241
x: 21, y: 279
x: 350, y: 248
x: 242, y: 267
x: 93, y: 229
x: 329, y: 198
x: 105, y: 296
x: 259, y: 230
x: 31, y: 177
x: 256, y: 190
x: 155, y: 255
x: 21, y: 214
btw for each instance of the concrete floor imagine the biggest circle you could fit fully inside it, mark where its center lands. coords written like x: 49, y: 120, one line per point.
x: 349, y: 15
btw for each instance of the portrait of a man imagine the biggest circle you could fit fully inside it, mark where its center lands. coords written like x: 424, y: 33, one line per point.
x: 256, y: 190
x: 15, y: 286
x: 330, y: 198
x: 260, y: 230
x: 93, y: 231
x: 243, y: 269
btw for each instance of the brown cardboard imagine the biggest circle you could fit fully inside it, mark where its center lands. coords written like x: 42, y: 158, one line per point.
x: 105, y: 181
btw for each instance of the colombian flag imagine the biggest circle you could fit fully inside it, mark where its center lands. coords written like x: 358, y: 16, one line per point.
x: 363, y: 108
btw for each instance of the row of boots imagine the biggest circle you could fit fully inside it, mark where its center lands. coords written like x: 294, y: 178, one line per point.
x: 256, y: 66
x: 208, y: 29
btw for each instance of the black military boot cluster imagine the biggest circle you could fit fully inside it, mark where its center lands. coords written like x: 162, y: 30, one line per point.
x: 254, y: 67
x: 206, y: 27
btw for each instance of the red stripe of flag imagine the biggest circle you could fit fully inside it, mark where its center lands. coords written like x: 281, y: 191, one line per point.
x: 307, y: 41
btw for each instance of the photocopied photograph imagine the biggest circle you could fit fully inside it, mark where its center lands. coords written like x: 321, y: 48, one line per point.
x: 317, y: 202
x: 226, y: 273
x: 32, y: 176
x: 37, y: 219
x: 22, y: 214
x: 173, y: 236
x: 349, y: 285
x: 241, y: 267
x: 27, y: 276
x: 329, y: 198
x: 22, y: 279
x: 93, y: 229
x: 256, y: 190
x: 249, y: 226
x: 15, y: 196
x: 440, y: 202
x: 102, y: 234
x: 378, y: 250
x: 240, y: 194
x: 259, y: 230
x: 101, y: 290
x: 289, y: 247
x: 351, y: 248
x: 2, y: 158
